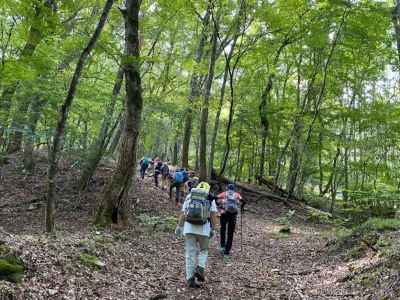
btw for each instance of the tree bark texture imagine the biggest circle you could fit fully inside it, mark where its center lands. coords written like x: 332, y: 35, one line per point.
x: 114, y: 206
x: 204, y: 110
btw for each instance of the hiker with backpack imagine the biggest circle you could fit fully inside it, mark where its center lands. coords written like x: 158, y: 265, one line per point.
x: 144, y: 165
x: 178, y: 181
x: 229, y: 203
x: 164, y: 175
x: 192, y: 182
x: 157, y: 171
x: 197, y: 223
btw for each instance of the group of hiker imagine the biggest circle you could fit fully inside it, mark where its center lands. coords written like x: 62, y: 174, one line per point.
x: 199, y: 213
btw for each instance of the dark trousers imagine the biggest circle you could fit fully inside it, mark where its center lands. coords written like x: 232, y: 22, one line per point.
x: 156, y: 174
x: 177, y: 187
x: 227, y: 220
x: 143, y: 169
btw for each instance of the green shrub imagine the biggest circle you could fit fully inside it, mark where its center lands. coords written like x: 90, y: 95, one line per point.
x: 380, y: 225
x: 91, y: 261
x: 153, y: 223
x: 11, y: 269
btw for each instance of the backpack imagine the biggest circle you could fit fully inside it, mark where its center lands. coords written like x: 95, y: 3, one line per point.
x: 179, y: 177
x: 230, y: 204
x: 145, y: 162
x: 198, y: 209
x: 185, y: 176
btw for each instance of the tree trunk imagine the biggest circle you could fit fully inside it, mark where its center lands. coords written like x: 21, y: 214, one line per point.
x: 217, y: 118
x: 175, y: 151
x: 264, y: 123
x: 117, y: 136
x: 98, y: 148
x: 197, y: 145
x: 295, y: 159
x: 114, y: 206
x: 222, y: 95
x: 34, y: 116
x: 396, y: 23
x: 204, y: 111
x: 194, y: 91
x: 239, y: 162
x: 63, y: 116
x: 17, y: 126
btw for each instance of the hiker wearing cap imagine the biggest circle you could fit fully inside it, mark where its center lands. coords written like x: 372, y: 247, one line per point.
x: 196, y: 224
x: 228, y: 204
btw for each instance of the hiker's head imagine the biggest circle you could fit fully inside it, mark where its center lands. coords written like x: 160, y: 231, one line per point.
x: 204, y: 186
x: 231, y: 187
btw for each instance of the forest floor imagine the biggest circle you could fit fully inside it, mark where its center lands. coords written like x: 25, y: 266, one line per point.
x: 147, y: 261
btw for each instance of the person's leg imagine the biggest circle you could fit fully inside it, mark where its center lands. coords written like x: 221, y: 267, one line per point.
x: 190, y: 255
x: 142, y: 171
x: 202, y: 256
x: 177, y: 192
x: 190, y: 260
x: 231, y: 230
x: 172, y: 185
x: 222, y: 230
x: 156, y: 179
x: 163, y: 182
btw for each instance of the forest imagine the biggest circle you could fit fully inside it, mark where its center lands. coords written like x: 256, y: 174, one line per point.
x: 293, y: 104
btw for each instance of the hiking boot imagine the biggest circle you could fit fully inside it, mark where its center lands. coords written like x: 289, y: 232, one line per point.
x: 200, y: 274
x: 192, y: 283
x: 227, y: 258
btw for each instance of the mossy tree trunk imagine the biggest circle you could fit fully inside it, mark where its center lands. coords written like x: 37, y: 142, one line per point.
x: 113, y: 207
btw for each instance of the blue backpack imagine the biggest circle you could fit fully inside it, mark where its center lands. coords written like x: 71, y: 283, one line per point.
x: 179, y: 177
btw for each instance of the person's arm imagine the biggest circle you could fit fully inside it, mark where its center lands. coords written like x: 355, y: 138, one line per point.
x: 181, y: 220
x: 242, y: 202
x: 214, y: 220
x: 213, y: 215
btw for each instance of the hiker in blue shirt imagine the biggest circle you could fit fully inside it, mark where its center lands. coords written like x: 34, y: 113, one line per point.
x: 144, y: 165
x: 178, y: 181
x: 197, y: 224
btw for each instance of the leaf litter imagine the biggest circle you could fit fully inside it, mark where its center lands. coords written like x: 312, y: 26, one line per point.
x: 147, y: 262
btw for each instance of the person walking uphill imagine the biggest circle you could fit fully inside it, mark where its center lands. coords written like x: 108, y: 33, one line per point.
x: 229, y: 203
x: 144, y: 165
x: 157, y: 171
x: 197, y: 222
x: 178, y: 181
x: 164, y: 175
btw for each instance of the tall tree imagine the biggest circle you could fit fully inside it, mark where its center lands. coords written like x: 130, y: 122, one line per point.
x: 113, y: 207
x: 194, y: 87
x: 206, y: 100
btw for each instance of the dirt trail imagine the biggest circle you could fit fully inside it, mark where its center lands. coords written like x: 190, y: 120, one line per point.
x: 147, y: 262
